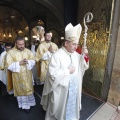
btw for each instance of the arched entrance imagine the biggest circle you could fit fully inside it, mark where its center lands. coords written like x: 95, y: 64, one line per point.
x: 12, y: 23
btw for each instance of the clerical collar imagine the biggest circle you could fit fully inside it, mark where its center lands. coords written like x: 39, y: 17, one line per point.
x: 66, y: 51
x: 17, y: 49
x: 48, y: 42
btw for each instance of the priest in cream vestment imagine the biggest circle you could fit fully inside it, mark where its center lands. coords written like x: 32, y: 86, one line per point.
x: 3, y: 68
x: 20, y: 61
x: 61, y: 97
x: 43, y: 55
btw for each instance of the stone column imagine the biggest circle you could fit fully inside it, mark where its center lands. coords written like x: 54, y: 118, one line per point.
x: 112, y: 48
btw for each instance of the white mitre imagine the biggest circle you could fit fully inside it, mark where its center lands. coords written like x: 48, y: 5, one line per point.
x: 72, y: 33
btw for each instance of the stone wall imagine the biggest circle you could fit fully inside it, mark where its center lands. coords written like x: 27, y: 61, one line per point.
x: 114, y: 92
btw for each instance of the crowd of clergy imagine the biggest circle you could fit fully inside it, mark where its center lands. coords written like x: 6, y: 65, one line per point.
x: 60, y: 70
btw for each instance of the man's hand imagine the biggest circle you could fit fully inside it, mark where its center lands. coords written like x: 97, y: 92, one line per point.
x: 23, y: 62
x: 51, y: 49
x: 85, y: 50
x: 71, y: 69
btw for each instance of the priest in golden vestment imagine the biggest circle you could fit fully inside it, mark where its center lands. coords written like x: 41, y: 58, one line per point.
x: 43, y: 55
x: 20, y: 61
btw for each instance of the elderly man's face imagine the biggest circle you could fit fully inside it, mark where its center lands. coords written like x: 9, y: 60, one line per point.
x: 71, y: 46
x: 20, y: 44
